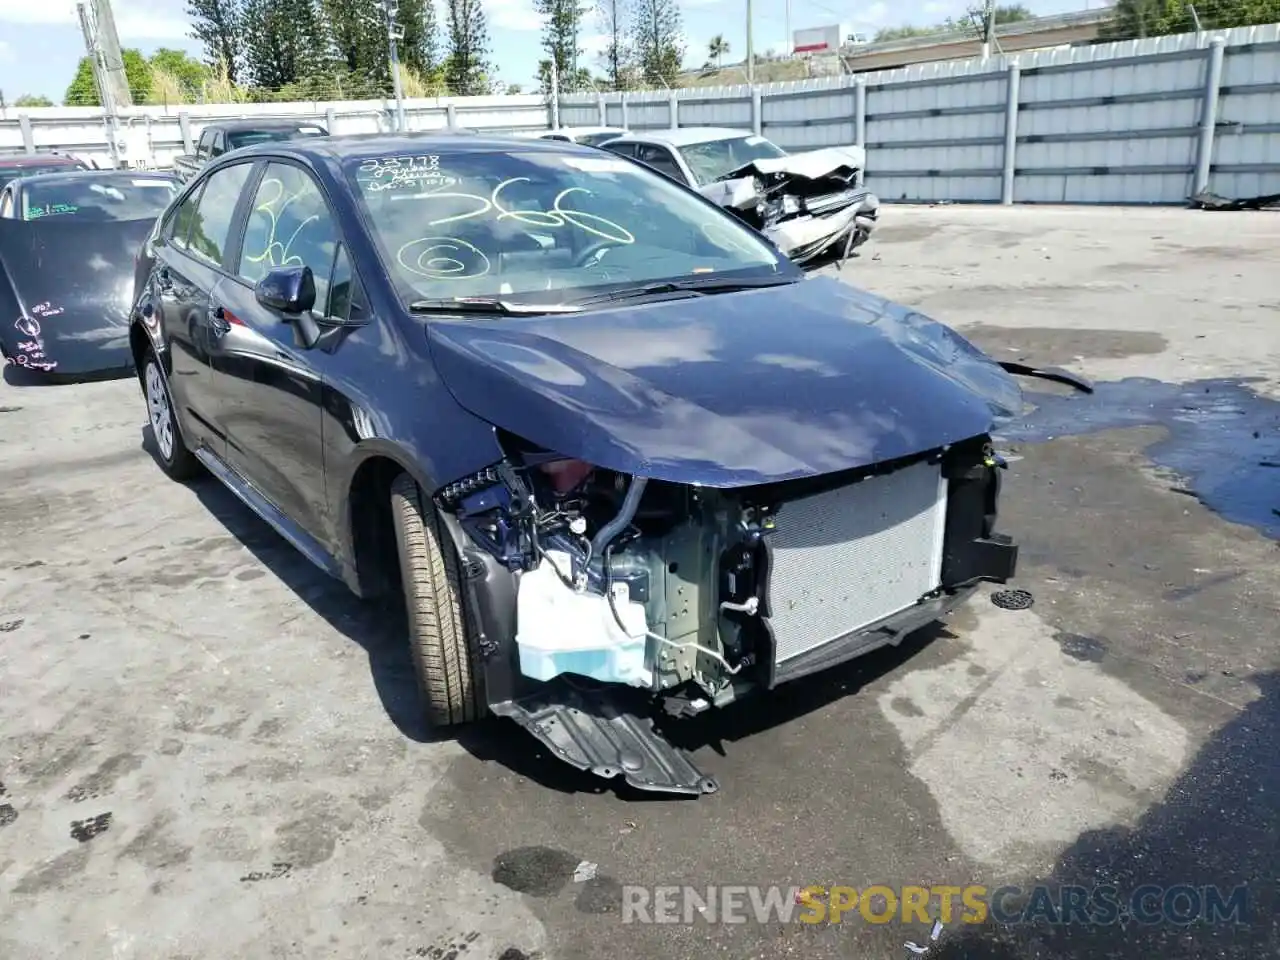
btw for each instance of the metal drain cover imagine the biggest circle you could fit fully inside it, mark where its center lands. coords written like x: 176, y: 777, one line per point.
x: 1013, y: 599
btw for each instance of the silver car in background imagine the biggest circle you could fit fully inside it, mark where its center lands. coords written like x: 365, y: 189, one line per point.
x: 810, y: 204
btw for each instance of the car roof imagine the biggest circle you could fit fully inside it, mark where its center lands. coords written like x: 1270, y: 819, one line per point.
x: 39, y: 160
x: 571, y: 131
x: 363, y: 146
x: 63, y: 176
x: 275, y: 123
x: 685, y: 136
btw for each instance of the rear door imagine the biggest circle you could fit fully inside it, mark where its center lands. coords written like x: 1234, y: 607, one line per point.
x: 273, y: 384
x: 189, y: 264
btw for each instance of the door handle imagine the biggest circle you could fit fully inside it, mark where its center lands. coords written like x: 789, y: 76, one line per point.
x: 219, y: 325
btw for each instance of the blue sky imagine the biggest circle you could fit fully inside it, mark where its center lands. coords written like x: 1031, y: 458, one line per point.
x: 40, y: 40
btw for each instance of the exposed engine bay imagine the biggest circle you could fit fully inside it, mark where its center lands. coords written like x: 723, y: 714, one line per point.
x: 692, y: 596
x: 809, y: 204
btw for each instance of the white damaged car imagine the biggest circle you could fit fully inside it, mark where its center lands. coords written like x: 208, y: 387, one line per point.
x: 809, y: 204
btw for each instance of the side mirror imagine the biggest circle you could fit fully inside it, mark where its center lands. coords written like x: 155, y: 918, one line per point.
x: 288, y: 290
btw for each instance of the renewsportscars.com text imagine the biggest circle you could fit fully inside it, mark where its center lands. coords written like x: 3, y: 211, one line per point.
x: 1180, y: 904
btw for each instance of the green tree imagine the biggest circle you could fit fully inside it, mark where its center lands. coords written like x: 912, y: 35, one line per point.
x: 467, y: 65
x: 1013, y: 13
x: 579, y: 79
x: 655, y: 32
x: 1155, y: 18
x: 420, y: 48
x: 718, y: 47
x: 83, y: 91
x: 283, y: 42
x: 219, y: 26
x: 33, y: 100
x: 615, y: 21
x: 907, y: 32
x: 560, y: 40
x: 358, y: 32
x: 189, y: 73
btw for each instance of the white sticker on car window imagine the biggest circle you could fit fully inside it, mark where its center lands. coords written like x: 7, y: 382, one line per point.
x: 755, y: 140
x: 596, y: 164
x: 153, y: 183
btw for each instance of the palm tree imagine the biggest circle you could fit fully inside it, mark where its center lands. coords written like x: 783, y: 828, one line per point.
x: 718, y: 47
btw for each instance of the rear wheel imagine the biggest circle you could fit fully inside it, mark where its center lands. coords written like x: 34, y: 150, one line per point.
x: 175, y: 459
x: 441, y: 634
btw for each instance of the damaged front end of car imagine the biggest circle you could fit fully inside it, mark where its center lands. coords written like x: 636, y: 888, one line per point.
x: 605, y: 600
x: 810, y: 205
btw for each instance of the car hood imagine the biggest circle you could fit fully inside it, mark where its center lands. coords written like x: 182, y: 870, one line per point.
x: 731, y: 389
x: 66, y: 292
x: 812, y: 164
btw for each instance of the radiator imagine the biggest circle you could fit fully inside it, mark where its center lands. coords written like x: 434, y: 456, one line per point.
x: 849, y: 557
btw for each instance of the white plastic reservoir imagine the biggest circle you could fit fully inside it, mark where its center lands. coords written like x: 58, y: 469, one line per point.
x: 559, y: 630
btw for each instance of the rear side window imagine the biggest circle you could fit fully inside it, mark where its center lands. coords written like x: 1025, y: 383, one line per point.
x: 211, y: 225
x: 178, y: 228
x: 661, y: 160
x: 625, y: 149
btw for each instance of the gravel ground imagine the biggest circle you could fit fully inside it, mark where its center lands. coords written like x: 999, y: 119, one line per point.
x: 209, y: 750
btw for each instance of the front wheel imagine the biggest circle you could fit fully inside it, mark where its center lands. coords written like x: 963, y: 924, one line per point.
x: 442, y: 638
x: 175, y: 459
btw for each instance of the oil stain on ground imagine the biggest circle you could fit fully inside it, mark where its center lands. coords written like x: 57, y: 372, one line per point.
x: 537, y: 871
x: 1223, y: 438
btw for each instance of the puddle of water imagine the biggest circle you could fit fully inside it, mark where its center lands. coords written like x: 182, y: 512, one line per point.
x: 1223, y: 438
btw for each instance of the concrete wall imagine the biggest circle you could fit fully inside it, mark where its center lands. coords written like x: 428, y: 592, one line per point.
x: 1141, y: 121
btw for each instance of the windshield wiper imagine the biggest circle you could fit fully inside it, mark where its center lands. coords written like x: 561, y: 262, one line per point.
x: 488, y: 305
x: 694, y: 287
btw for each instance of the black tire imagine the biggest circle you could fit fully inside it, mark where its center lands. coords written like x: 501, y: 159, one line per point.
x: 442, y: 638
x: 175, y: 459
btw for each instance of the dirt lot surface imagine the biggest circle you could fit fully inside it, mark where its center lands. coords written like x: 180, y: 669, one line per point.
x: 208, y: 750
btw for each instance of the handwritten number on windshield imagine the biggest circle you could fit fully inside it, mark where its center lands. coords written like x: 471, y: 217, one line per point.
x: 443, y: 258
x: 436, y: 258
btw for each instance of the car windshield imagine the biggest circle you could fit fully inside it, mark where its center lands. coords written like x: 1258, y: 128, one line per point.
x: 542, y: 226
x: 98, y: 198
x: 715, y: 158
x: 243, y: 138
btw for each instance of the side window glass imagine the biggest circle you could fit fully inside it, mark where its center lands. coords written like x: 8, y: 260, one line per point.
x: 661, y: 161
x: 211, y: 226
x: 346, y: 300
x: 626, y: 149
x: 290, y: 225
x: 6, y: 204
x: 179, y: 226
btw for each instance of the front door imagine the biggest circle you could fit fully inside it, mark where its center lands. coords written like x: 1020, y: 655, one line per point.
x: 189, y: 260
x: 273, y: 384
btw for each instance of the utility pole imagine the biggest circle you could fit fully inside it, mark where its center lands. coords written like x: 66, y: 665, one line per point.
x: 395, y: 32
x: 112, y: 57
x: 89, y: 27
x: 988, y: 26
x: 751, y: 52
x: 555, y: 95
